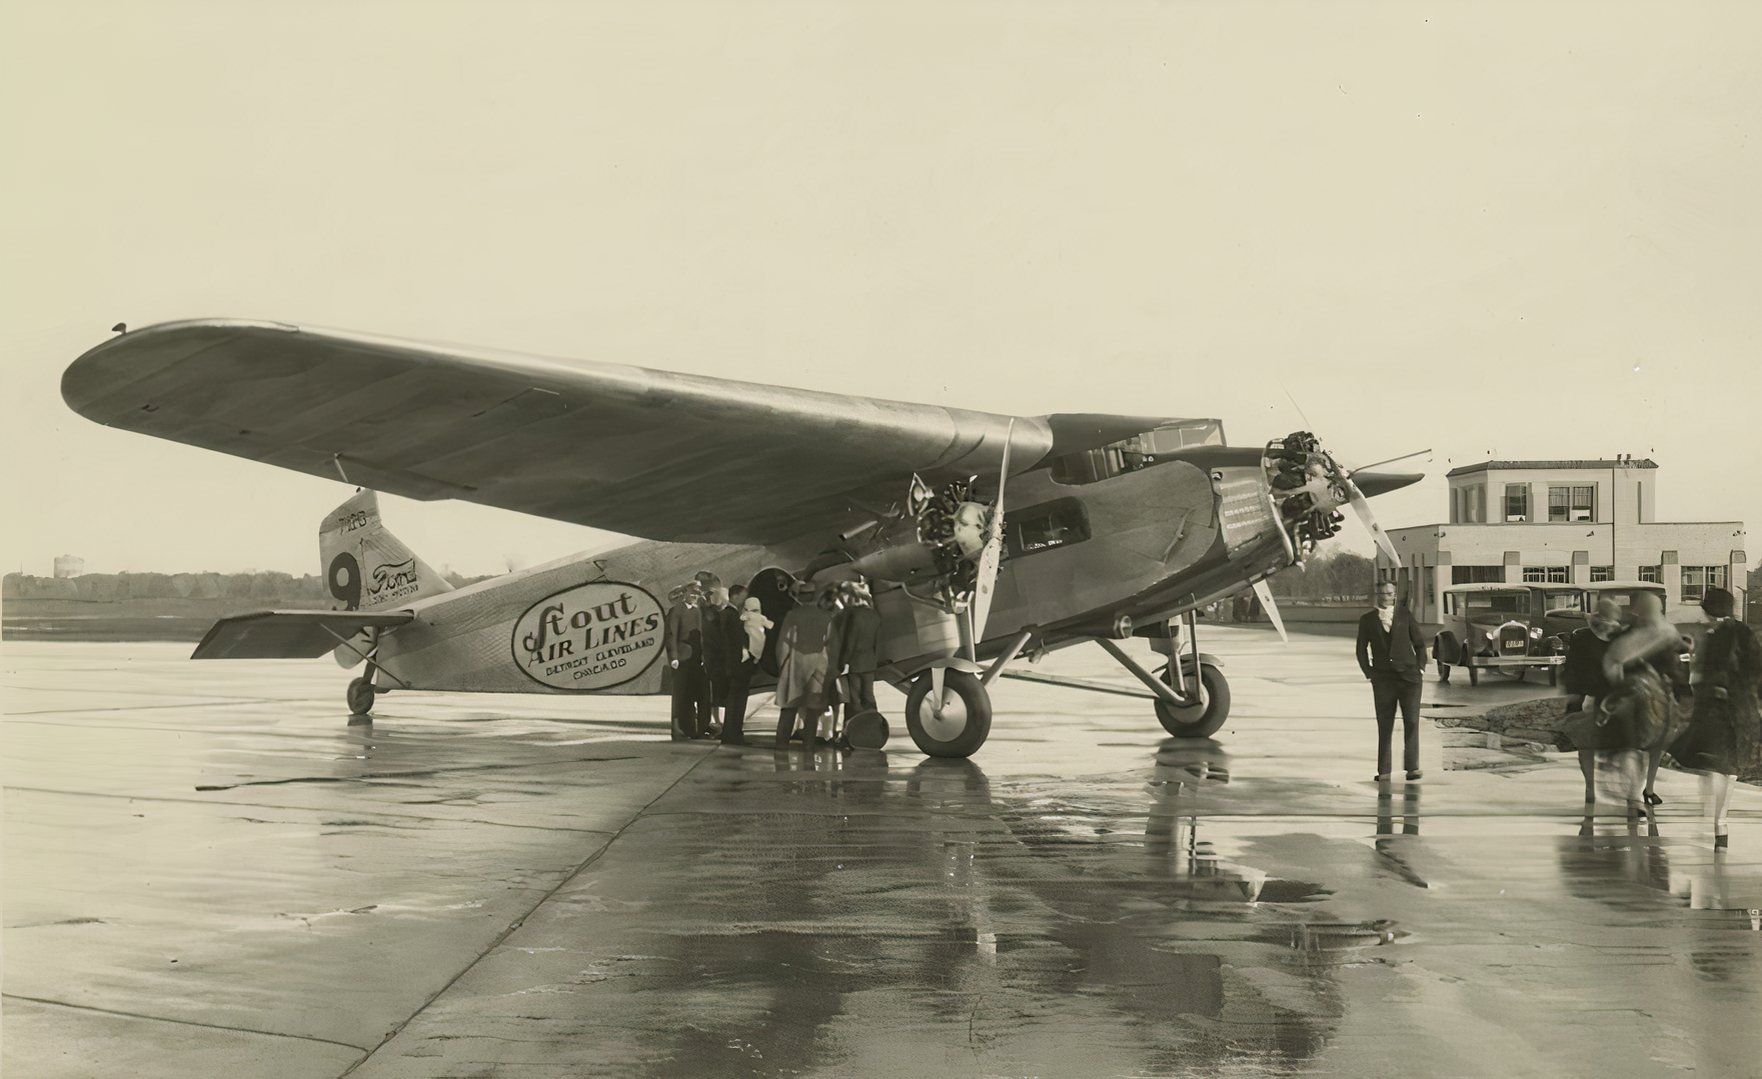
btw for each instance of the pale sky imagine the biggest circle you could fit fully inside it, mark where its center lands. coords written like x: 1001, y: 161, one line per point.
x: 1516, y: 230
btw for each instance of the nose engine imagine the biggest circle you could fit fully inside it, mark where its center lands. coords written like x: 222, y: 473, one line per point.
x: 1308, y: 487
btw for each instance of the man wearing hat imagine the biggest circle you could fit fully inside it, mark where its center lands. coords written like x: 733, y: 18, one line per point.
x: 685, y: 658
x: 857, y: 627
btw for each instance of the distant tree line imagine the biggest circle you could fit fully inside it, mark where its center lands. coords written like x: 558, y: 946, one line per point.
x: 271, y: 585
x: 1331, y: 574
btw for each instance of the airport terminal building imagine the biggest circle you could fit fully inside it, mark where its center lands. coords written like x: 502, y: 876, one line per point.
x: 1563, y: 522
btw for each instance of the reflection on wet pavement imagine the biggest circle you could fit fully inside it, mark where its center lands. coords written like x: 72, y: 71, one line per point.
x: 243, y: 884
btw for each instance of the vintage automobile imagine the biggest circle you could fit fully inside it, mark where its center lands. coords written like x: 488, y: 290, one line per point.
x: 1567, y: 608
x: 1497, y: 627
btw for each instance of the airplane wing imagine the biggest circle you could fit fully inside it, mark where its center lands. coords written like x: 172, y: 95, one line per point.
x: 289, y: 634
x: 647, y: 453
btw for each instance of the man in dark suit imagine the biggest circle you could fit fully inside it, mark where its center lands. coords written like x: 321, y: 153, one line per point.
x: 685, y: 657
x: 1391, y: 652
x: 719, y: 657
x: 858, y: 626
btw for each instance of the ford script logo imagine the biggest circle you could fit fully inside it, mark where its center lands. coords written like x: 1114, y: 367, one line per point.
x: 592, y: 636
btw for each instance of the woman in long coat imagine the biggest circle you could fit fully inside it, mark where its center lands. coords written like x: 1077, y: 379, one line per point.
x: 802, y: 683
x: 1726, y: 727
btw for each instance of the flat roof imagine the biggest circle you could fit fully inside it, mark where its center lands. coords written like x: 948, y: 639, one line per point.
x: 1553, y: 466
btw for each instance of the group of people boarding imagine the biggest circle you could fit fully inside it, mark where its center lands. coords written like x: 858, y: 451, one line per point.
x: 827, y: 651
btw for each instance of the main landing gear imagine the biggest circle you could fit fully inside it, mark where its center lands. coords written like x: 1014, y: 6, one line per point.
x: 1192, y: 694
x: 948, y: 707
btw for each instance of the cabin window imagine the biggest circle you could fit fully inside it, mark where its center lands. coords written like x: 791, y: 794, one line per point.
x: 1043, y: 527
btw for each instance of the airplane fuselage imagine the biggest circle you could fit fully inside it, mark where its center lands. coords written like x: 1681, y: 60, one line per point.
x: 1142, y: 546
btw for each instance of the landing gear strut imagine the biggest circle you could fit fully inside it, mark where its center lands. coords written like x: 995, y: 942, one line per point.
x: 1192, y: 695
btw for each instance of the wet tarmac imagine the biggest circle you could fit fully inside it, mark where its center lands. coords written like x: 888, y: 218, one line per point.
x: 209, y: 872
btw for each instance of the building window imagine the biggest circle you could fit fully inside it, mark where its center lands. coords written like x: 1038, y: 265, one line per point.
x: 1602, y: 573
x: 1697, y: 579
x: 1650, y: 575
x: 1517, y: 502
x: 1567, y: 504
x: 1455, y: 505
x: 1546, y: 575
x: 1477, y: 574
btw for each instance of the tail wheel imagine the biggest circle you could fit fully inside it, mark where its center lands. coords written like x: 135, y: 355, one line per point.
x: 1200, y: 720
x: 360, y: 696
x: 965, y: 721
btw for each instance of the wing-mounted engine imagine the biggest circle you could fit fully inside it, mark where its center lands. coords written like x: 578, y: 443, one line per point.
x: 933, y: 546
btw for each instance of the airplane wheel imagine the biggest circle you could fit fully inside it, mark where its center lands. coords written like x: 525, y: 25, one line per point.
x: 1198, y: 720
x: 360, y: 697
x: 966, y: 715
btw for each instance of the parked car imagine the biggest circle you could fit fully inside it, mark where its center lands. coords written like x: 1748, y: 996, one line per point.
x: 1497, y: 627
x: 1568, y: 607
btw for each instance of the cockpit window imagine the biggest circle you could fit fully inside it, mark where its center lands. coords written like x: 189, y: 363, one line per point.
x: 1139, y: 451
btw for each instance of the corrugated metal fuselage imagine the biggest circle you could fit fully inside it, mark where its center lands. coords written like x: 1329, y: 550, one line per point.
x: 1147, y: 544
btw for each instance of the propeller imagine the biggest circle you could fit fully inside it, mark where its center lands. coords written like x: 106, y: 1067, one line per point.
x: 991, y: 555
x: 1264, y: 593
x: 1361, y: 506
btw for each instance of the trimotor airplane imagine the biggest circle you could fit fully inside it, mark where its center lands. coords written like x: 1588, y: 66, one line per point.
x: 1116, y: 526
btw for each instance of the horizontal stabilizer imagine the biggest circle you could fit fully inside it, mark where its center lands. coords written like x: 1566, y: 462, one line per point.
x: 289, y: 634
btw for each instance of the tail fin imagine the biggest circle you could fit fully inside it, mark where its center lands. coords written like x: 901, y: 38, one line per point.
x: 365, y: 566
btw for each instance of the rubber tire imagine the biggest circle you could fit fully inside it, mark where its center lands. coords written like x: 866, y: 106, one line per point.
x: 1443, y: 673
x: 1211, y: 720
x: 360, y: 697
x: 1522, y: 672
x: 1446, y: 650
x: 973, y: 698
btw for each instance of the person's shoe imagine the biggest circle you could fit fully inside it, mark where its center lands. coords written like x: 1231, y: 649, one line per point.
x: 1415, y: 774
x: 1653, y: 799
x: 1380, y: 777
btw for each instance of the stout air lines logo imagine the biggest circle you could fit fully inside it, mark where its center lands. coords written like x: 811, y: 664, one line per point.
x: 592, y: 636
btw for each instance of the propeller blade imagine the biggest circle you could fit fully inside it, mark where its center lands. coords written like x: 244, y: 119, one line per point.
x: 991, y: 555
x: 1264, y: 593
x: 1390, y: 461
x: 1361, y: 506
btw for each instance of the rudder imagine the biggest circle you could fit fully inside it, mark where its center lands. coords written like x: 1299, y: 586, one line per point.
x: 365, y: 566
